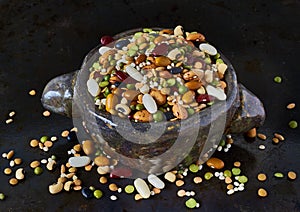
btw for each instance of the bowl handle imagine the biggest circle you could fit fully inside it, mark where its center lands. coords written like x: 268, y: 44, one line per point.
x: 249, y: 114
x: 58, y: 94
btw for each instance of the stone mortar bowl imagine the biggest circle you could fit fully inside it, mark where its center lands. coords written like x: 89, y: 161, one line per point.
x: 182, y: 142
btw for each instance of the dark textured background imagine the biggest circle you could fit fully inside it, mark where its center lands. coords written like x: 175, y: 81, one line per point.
x: 40, y: 40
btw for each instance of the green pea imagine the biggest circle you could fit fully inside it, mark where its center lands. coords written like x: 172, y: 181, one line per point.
x: 139, y: 107
x: 92, y: 188
x: 277, y: 79
x: 208, y: 175
x: 194, y: 168
x: 2, y: 196
x: 236, y: 171
x: 191, y: 203
x: 112, y: 62
x: 227, y: 173
x: 278, y: 175
x: 243, y: 179
x: 103, y: 84
x: 217, y: 56
x: 293, y: 124
x: 158, y: 116
x: 53, y: 157
x: 130, y: 86
x: 222, y: 142
x: 134, y: 47
x: 147, y: 30
x: 106, y: 92
x: 132, y: 107
x: 218, y: 61
x: 207, y: 60
x: 182, y: 89
x: 43, y: 139
x: 96, y: 66
x: 131, y: 52
x: 98, y: 194
x: 38, y: 170
x: 190, y: 111
x: 106, y: 77
x: 129, y: 189
x: 138, y: 34
x: 171, y: 82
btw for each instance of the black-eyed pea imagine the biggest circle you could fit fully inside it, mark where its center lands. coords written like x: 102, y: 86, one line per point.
x: 123, y: 109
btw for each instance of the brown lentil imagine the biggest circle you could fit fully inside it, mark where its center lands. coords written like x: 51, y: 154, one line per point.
x: 291, y: 106
x: 113, y: 187
x: 34, y: 143
x: 229, y: 186
x: 77, y: 182
x: 103, y: 180
x: 7, y: 171
x: 262, y: 192
x: 77, y: 147
x: 292, y: 175
x: 64, y: 133
x: 101, y: 161
x: 262, y: 136
x: 13, y: 181
x: 261, y: 177
x: 279, y: 136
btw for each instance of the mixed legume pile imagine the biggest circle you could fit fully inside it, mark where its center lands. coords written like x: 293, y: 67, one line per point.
x: 68, y: 179
x: 157, y: 75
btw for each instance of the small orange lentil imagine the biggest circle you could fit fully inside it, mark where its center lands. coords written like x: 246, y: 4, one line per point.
x: 46, y: 113
x: 32, y: 92
x: 181, y: 193
x: 179, y: 183
x: 291, y: 106
x: 77, y: 188
x: 292, y: 175
x: 34, y: 143
x: 48, y: 144
x: 197, y: 180
x: 228, y: 180
x: 137, y: 197
x: 35, y: 164
x: 261, y: 177
x: 237, y: 163
x: 262, y: 192
x: 156, y: 190
x: 88, y: 167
